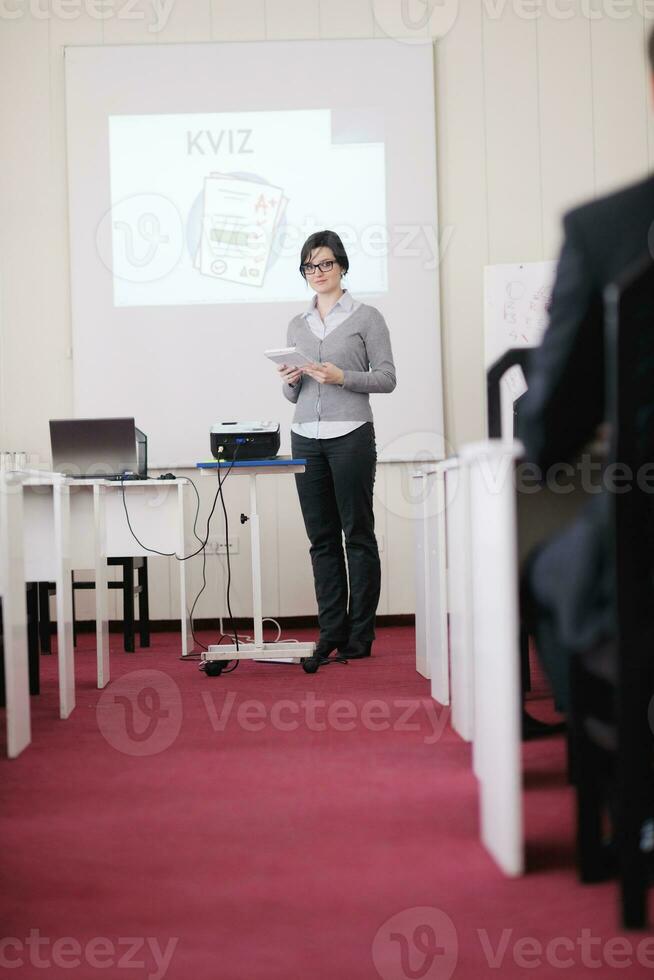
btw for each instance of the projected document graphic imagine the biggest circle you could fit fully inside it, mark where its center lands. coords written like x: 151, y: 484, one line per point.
x: 213, y: 208
x: 239, y: 223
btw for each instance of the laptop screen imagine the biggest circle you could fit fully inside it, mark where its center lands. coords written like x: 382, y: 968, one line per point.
x: 87, y: 448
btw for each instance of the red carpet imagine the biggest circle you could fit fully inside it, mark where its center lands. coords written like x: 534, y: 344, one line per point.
x: 272, y: 825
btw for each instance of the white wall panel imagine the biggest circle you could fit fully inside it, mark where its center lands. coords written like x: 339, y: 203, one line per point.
x: 268, y: 507
x: 57, y: 334
x: 402, y: 20
x: 346, y: 18
x: 136, y: 22
x: 566, y: 121
x: 297, y: 597
x: 32, y: 369
x: 462, y: 195
x: 619, y: 101
x: 244, y: 20
x: 648, y: 25
x: 515, y: 228
x: 186, y: 22
x: 287, y: 20
x: 381, y: 531
x: 396, y: 516
x: 159, y: 576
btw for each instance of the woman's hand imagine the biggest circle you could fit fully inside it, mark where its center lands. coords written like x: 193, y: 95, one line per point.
x: 325, y: 374
x: 290, y: 375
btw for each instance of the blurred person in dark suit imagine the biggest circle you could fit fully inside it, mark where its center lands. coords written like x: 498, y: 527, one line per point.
x: 566, y: 586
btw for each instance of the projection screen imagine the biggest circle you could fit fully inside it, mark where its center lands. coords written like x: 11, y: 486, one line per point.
x: 195, y: 174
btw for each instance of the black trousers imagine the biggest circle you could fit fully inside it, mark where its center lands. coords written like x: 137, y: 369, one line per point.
x: 335, y: 494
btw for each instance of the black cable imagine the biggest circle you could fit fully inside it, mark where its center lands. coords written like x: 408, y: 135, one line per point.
x: 173, y: 554
x: 202, y: 548
x: 219, y: 492
x: 204, y: 567
x: 152, y: 551
x: 229, y: 564
x: 197, y: 508
x: 204, y: 552
x: 198, y: 656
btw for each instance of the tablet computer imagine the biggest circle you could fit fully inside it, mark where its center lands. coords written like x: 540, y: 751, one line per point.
x: 290, y: 356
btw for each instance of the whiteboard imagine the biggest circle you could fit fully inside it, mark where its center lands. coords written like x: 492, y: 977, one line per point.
x: 516, y: 301
x: 516, y: 314
x: 179, y: 343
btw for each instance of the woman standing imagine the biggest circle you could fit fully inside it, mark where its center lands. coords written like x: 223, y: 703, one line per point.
x: 349, y: 346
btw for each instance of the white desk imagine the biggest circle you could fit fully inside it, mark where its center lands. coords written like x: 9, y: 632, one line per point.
x: 505, y: 526
x: 467, y: 564
x: 47, y: 550
x: 459, y: 595
x: 89, y: 552
x: 443, y: 587
x: 50, y: 525
x: 497, y: 744
x: 156, y: 510
x: 432, y: 659
x: 14, y: 628
x: 257, y: 650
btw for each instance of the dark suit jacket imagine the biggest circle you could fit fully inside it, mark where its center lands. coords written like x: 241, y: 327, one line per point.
x: 565, y: 403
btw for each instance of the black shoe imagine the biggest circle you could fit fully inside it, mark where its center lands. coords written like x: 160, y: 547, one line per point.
x: 356, y: 649
x: 321, y: 656
x: 325, y: 647
x: 533, y: 728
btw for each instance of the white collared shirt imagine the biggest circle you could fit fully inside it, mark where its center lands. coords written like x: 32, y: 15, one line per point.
x: 339, y: 312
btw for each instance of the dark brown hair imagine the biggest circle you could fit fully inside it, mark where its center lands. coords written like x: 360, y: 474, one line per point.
x: 325, y: 239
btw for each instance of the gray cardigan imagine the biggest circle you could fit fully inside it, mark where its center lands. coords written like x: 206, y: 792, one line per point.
x: 361, y: 347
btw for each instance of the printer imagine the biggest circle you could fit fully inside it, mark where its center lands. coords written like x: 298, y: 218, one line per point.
x: 245, y: 440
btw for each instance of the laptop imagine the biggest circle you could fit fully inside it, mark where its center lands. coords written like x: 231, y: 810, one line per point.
x: 87, y: 449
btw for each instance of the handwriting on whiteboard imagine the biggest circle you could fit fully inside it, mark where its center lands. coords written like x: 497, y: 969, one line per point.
x: 516, y: 303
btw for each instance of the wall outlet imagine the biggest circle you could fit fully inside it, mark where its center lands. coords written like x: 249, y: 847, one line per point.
x: 217, y: 547
x: 221, y: 547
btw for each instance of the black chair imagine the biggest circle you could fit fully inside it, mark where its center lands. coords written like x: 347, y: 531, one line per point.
x: 129, y: 590
x: 43, y: 591
x: 42, y: 600
x: 611, y: 688
x: 593, y: 746
x: 510, y: 358
x: 32, y: 645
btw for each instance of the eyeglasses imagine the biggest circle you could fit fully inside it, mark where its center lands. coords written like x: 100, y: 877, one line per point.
x: 309, y: 268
